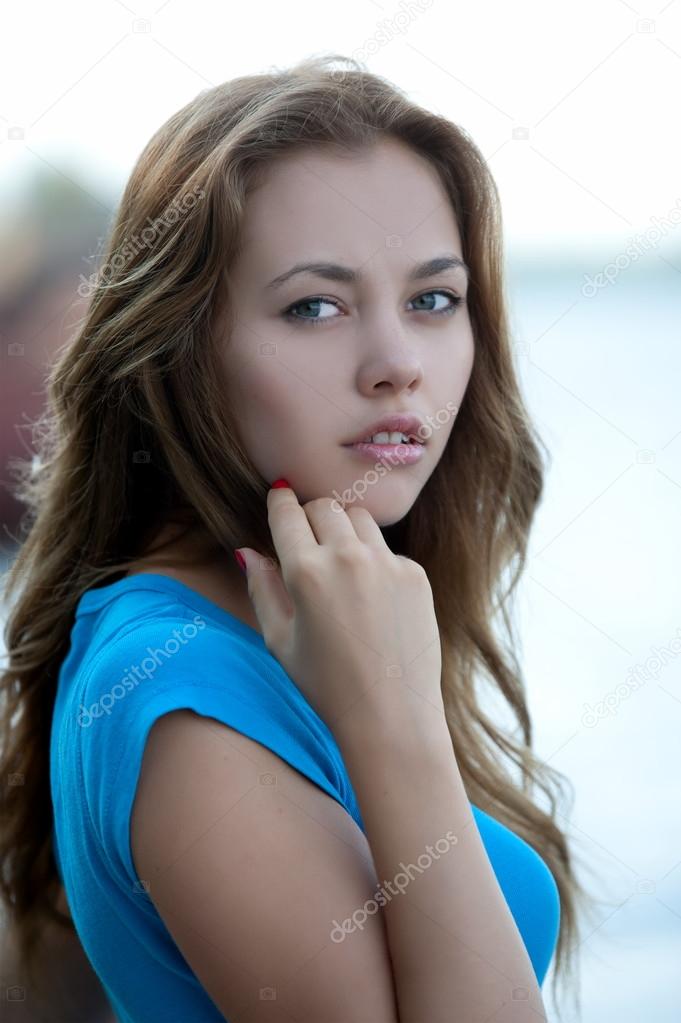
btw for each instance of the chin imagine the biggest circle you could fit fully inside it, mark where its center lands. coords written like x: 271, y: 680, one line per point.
x: 385, y: 502
x: 385, y: 509
x: 389, y: 519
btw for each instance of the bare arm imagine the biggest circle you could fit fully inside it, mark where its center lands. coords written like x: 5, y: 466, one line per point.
x: 248, y: 863
x: 457, y: 955
x: 255, y: 871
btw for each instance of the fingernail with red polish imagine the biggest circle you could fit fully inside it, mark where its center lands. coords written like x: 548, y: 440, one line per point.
x: 280, y: 483
x: 241, y: 561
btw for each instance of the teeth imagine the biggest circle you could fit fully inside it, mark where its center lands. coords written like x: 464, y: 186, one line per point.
x: 390, y: 438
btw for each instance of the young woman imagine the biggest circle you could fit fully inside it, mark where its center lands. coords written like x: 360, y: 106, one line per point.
x: 276, y: 794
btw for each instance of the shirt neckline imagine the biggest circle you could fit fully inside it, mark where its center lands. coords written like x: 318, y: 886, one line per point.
x: 94, y: 598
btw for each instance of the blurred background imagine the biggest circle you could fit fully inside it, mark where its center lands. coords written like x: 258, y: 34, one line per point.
x: 575, y: 108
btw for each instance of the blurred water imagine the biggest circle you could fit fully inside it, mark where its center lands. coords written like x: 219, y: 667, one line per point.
x: 600, y: 609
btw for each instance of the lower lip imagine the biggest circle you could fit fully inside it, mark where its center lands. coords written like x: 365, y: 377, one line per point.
x: 399, y: 454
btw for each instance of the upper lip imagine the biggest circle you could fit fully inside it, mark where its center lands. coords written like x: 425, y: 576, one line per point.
x: 408, y: 424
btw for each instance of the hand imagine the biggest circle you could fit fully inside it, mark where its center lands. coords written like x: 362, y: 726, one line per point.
x: 350, y: 622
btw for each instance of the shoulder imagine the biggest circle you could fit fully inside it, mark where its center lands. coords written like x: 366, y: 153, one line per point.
x: 207, y: 679
x: 145, y: 658
x: 254, y: 870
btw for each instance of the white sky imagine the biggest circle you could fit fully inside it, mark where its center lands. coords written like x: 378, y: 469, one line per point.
x: 597, y: 85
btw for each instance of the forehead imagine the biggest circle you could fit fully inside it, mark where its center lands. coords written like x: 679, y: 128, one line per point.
x: 319, y: 203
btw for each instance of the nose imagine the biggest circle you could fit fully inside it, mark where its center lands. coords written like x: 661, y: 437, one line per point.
x: 390, y: 365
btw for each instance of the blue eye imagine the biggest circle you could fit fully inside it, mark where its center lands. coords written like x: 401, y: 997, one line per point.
x: 316, y: 300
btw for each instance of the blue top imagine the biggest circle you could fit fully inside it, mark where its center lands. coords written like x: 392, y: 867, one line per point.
x: 146, y: 645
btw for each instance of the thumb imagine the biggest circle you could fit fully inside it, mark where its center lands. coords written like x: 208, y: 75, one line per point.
x: 269, y: 597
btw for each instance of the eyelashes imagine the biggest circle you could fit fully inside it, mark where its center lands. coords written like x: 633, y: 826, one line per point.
x: 288, y: 313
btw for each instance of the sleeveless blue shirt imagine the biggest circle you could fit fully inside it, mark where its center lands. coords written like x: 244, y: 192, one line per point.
x: 141, y: 647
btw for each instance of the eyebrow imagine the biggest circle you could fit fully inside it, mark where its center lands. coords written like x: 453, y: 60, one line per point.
x: 336, y: 272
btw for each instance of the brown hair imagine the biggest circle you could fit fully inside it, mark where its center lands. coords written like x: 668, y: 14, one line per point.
x: 137, y: 432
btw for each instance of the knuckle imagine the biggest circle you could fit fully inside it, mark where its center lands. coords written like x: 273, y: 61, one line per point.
x: 412, y: 568
x: 353, y: 556
x: 322, y: 503
x: 356, y: 512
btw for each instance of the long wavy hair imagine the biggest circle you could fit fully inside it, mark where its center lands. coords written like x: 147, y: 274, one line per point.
x: 137, y: 432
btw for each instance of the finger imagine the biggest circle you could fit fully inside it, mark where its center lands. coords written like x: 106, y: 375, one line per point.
x: 269, y: 597
x: 366, y: 527
x: 329, y: 521
x: 288, y: 523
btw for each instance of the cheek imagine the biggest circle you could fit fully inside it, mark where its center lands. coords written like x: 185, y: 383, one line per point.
x: 461, y: 363
x: 452, y: 376
x: 296, y: 386
x: 273, y: 402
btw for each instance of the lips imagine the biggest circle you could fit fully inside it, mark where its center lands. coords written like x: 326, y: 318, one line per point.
x: 408, y: 424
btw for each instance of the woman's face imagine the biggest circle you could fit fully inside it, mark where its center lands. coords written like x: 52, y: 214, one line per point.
x: 303, y: 386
